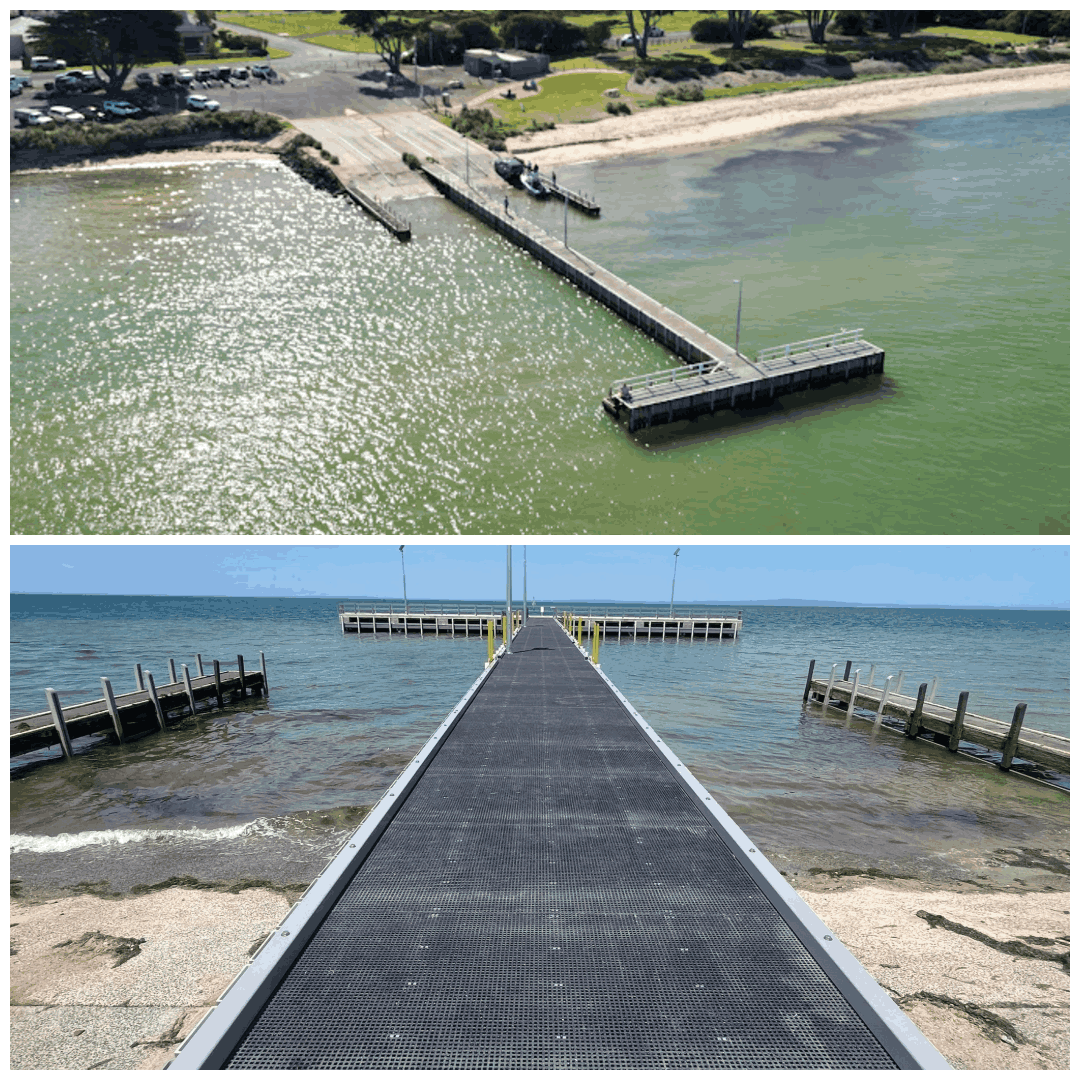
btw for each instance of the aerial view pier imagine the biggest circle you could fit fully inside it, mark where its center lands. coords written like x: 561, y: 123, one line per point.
x: 547, y: 886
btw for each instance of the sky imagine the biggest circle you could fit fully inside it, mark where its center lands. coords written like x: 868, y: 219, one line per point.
x: 1022, y: 575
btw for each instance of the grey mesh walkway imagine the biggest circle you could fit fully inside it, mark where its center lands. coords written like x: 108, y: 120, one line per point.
x: 551, y: 896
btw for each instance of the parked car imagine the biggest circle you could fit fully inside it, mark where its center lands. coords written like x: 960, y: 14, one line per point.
x: 222, y: 73
x: 120, y: 108
x: 455, y: 84
x: 65, y: 115
x: 628, y: 39
x: 22, y: 116
x: 92, y: 112
x: 68, y: 83
x: 200, y: 102
x: 39, y: 119
x: 16, y: 89
x: 240, y: 73
x: 46, y: 63
x: 203, y: 74
x: 655, y: 31
x: 22, y: 80
x: 145, y: 80
x: 261, y: 70
x: 185, y: 77
x: 166, y: 78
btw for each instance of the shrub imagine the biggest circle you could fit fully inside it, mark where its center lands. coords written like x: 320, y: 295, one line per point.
x: 849, y: 23
x: 411, y: 160
x: 689, y: 92
x: 616, y: 108
x: 715, y: 31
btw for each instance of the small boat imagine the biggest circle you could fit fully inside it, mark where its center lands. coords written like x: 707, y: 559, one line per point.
x: 532, y: 183
x: 509, y: 168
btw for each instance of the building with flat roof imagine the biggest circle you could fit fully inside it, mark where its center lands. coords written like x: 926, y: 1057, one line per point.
x: 489, y: 63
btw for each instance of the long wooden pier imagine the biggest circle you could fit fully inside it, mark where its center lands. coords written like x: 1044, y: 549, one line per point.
x: 546, y: 886
x: 453, y: 624
x: 946, y: 725
x: 135, y: 712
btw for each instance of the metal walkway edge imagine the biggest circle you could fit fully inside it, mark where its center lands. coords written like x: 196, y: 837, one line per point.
x: 547, y: 887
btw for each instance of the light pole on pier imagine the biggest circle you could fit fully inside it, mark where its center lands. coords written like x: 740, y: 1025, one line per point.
x: 404, y: 593
x: 524, y: 585
x: 671, y: 614
x: 738, y: 316
x: 509, y: 609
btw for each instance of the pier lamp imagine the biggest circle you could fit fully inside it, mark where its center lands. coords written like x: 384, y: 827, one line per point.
x: 404, y: 593
x: 671, y: 613
x: 738, y: 316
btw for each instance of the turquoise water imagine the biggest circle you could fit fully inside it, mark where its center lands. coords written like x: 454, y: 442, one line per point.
x: 269, y: 790
x: 220, y: 349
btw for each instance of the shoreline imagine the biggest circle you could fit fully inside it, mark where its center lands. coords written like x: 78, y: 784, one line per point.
x: 678, y: 128
x: 728, y: 120
x: 118, y: 983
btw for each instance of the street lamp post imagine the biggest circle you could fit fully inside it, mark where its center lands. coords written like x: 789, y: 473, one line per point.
x: 671, y: 613
x: 404, y: 593
x: 738, y: 317
x: 509, y: 609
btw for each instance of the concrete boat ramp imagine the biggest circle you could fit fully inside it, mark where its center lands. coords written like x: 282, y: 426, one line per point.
x: 546, y: 886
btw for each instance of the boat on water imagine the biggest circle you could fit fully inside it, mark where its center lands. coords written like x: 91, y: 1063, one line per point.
x: 509, y: 168
x: 532, y: 183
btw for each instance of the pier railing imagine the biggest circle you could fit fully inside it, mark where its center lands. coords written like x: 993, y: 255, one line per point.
x: 671, y: 375
x: 798, y: 349
x: 427, y: 607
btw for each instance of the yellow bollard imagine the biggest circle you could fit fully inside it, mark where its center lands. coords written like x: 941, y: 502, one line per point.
x: 580, y: 630
x: 596, y: 644
x: 504, y: 629
x: 491, y: 640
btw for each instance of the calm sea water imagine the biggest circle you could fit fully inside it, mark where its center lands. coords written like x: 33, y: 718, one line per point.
x: 222, y: 349
x: 270, y: 790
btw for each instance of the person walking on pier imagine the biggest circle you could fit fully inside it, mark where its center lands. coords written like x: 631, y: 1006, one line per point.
x: 506, y: 204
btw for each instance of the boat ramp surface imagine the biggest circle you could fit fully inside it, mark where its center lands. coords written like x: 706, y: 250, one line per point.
x: 546, y: 886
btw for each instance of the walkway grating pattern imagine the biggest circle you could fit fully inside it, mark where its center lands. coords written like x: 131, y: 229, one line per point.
x: 550, y: 897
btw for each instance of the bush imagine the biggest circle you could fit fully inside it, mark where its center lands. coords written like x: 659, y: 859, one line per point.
x: 253, y: 46
x: 596, y: 35
x: 716, y: 31
x: 689, y: 92
x: 411, y: 160
x: 616, y: 108
x: 481, y: 125
x: 849, y: 24
x: 662, y: 96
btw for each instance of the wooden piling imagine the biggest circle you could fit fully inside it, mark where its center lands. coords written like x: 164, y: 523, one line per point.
x: 139, y: 685
x: 262, y: 661
x: 172, y: 671
x: 809, y: 680
x: 58, y: 721
x: 912, y: 729
x: 854, y: 692
x: 240, y: 668
x: 884, y: 699
x: 159, y: 712
x: 847, y: 671
x: 828, y: 689
x: 957, y: 732
x: 1009, y: 749
x: 114, y: 712
x: 189, y: 688
x: 198, y: 664
x: 217, y: 684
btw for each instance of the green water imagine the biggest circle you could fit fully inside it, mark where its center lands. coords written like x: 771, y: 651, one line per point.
x: 220, y: 349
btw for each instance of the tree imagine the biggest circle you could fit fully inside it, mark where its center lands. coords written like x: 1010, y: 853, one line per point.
x: 818, y: 21
x: 896, y: 22
x: 540, y: 31
x: 392, y: 32
x: 738, y: 25
x: 113, y: 43
x: 648, y: 20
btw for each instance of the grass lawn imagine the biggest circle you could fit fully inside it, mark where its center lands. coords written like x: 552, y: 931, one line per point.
x: 345, y: 42
x: 224, y: 56
x: 985, y: 37
x: 293, y: 23
x: 564, y: 98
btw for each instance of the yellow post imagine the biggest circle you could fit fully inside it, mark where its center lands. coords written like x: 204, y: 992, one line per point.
x: 491, y: 640
x: 504, y: 629
x: 580, y: 629
x: 596, y: 643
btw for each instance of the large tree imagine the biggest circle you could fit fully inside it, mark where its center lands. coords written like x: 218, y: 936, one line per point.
x: 739, y: 26
x: 896, y: 22
x: 392, y: 31
x: 112, y: 42
x: 648, y: 20
x: 817, y: 21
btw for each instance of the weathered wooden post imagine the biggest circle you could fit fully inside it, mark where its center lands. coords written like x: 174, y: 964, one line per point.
x: 956, y: 733
x: 870, y: 681
x: 854, y: 691
x: 189, y: 688
x: 847, y: 671
x: 1009, y: 749
x: 172, y: 670
x: 809, y: 682
x: 240, y: 668
x: 933, y: 690
x: 899, y: 682
x: 139, y: 678
x: 912, y: 729
x: 198, y: 664
x: 828, y: 689
x: 58, y: 721
x: 881, y: 703
x: 157, y: 704
x: 262, y: 662
x: 217, y: 684
x: 114, y: 712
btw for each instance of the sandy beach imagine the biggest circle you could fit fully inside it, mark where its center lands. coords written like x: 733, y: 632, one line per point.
x: 117, y: 983
x: 685, y: 127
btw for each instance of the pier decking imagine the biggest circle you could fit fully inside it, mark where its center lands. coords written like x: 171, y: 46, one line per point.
x: 546, y: 886
x: 946, y: 725
x: 134, y: 712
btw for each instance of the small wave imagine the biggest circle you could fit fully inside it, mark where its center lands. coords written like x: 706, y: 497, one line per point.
x: 72, y: 841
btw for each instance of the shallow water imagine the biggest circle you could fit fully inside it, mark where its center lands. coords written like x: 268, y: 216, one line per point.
x: 269, y: 792
x: 222, y: 349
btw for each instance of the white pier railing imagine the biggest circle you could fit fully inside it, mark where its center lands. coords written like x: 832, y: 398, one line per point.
x: 797, y: 349
x: 671, y: 375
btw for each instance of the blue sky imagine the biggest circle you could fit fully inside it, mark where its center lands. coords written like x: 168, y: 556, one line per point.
x: 995, y: 575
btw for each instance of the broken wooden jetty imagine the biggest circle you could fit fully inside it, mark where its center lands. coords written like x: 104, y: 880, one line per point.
x: 136, y: 712
x: 945, y: 725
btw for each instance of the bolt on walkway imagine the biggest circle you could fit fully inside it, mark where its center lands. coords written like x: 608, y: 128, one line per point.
x: 546, y: 886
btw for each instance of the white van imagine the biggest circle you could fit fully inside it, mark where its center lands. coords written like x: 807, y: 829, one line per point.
x: 46, y: 63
